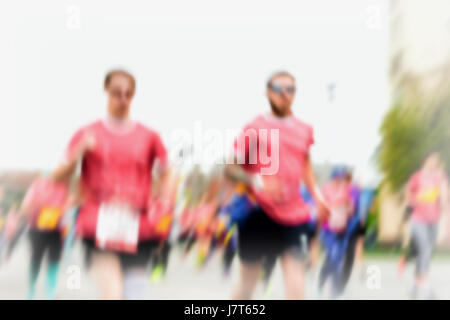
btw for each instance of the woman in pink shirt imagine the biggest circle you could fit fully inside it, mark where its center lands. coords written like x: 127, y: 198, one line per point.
x: 44, y: 206
x: 426, y: 195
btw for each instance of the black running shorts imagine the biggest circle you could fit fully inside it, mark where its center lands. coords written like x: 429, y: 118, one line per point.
x: 128, y: 260
x: 43, y: 241
x: 260, y: 237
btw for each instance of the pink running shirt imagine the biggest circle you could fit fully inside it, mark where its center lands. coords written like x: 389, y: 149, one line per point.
x: 44, y: 193
x: 425, y: 188
x: 281, y: 147
x: 337, y: 197
x: 119, y: 166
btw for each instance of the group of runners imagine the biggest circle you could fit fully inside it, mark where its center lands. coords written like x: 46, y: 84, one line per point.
x: 116, y: 191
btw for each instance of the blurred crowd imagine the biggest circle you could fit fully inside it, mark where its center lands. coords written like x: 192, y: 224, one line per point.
x: 129, y: 206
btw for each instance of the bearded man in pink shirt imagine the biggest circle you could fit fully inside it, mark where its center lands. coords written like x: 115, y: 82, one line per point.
x: 271, y: 156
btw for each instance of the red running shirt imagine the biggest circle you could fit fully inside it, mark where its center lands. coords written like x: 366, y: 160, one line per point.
x: 425, y: 188
x: 120, y: 165
x: 280, y: 146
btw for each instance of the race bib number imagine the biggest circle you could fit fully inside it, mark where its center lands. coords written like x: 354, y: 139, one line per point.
x: 117, y: 228
x: 164, y: 224
x: 428, y: 195
x: 48, y: 218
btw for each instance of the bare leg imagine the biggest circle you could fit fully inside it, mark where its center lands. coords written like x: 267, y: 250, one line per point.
x: 314, y: 252
x: 108, y: 274
x: 293, y: 272
x: 360, y: 251
x: 250, y: 274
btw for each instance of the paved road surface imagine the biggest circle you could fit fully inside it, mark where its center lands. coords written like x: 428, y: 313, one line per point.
x: 184, y: 281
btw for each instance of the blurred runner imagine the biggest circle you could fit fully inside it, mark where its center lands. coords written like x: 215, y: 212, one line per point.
x: 337, y: 195
x: 238, y: 208
x: 3, y: 211
x: 365, y: 208
x: 409, y: 250
x: 205, y: 223
x: 354, y: 231
x: 427, y: 195
x: 117, y: 156
x: 312, y: 239
x: 162, y: 207
x: 14, y: 226
x: 194, y: 191
x: 44, y: 206
x: 272, y: 158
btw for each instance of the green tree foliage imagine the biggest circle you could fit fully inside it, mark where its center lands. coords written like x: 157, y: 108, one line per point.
x: 417, y: 125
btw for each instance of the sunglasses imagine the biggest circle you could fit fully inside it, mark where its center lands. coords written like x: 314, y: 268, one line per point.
x: 118, y: 93
x: 278, y: 88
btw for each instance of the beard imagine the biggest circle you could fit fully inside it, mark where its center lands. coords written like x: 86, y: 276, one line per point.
x: 279, y: 112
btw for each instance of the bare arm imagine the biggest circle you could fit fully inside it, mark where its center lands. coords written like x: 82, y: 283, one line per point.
x: 166, y: 182
x: 66, y: 169
x: 311, y: 184
x: 28, y: 202
x: 235, y: 174
x: 351, y: 207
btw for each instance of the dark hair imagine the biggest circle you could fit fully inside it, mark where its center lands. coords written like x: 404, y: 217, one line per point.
x: 114, y: 72
x: 279, y: 74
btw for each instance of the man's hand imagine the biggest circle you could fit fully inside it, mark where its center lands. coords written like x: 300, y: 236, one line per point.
x: 66, y: 169
x: 323, y: 211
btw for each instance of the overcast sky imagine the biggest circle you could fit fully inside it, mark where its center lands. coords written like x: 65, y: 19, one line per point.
x: 194, y: 61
